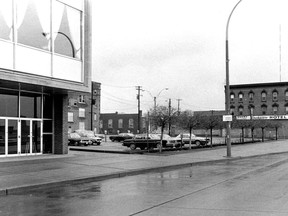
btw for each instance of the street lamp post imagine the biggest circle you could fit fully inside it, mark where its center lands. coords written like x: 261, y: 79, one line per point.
x: 227, y: 95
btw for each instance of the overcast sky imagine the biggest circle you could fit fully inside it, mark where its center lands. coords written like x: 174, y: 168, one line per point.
x: 180, y: 45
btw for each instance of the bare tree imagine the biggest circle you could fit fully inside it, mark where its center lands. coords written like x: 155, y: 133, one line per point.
x: 189, y: 121
x: 211, y: 122
x: 162, y: 116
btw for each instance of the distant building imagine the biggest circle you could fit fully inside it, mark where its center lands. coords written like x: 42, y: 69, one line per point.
x: 261, y: 101
x: 79, y: 109
x: 45, y: 52
x: 114, y: 123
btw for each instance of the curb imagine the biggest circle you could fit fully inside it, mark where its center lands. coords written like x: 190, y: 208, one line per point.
x: 21, y: 189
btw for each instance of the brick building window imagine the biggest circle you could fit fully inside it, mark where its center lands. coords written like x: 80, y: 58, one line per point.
x: 110, y: 123
x: 101, y: 123
x: 286, y: 95
x: 263, y: 96
x: 240, y: 96
x: 251, y: 110
x: 131, y: 123
x: 81, y: 125
x: 275, y: 95
x: 264, y: 109
x: 251, y: 96
x: 70, y: 117
x: 81, y: 113
x: 286, y: 109
x: 232, y: 97
x: 120, y: 123
x: 240, y: 110
x: 232, y: 110
x: 275, y: 108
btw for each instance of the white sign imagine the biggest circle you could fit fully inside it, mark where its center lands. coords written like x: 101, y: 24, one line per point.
x: 227, y: 118
x: 264, y: 117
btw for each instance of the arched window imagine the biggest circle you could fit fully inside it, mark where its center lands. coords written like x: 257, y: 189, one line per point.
x: 275, y: 108
x: 263, y: 96
x: 286, y: 95
x: 264, y: 109
x: 251, y: 110
x: 275, y: 95
x: 232, y: 97
x: 251, y: 96
x: 240, y: 110
x: 240, y: 96
x: 232, y: 110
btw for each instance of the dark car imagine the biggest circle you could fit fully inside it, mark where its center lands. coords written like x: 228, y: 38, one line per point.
x: 121, y: 137
x: 143, y: 142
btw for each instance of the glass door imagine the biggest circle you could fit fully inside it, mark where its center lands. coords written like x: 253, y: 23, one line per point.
x: 25, y: 144
x: 36, y: 136
x: 12, y: 131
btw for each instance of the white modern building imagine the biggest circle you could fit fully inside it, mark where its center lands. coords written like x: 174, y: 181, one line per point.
x: 45, y: 53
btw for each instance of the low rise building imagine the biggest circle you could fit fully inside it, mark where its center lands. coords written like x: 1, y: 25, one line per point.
x: 84, y: 109
x: 114, y: 123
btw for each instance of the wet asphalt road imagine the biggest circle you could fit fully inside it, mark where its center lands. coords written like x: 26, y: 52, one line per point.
x: 254, y: 186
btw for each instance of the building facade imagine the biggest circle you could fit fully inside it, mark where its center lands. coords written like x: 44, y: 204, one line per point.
x: 114, y: 123
x: 261, y: 101
x: 80, y: 105
x: 45, y: 52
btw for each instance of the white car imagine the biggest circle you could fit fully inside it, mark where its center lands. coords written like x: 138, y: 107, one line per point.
x: 199, y: 141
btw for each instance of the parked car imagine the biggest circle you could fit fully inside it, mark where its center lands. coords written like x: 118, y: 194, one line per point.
x: 199, y: 141
x: 143, y: 141
x: 151, y: 141
x: 86, y: 134
x: 75, y: 139
x: 171, y: 142
x: 121, y: 137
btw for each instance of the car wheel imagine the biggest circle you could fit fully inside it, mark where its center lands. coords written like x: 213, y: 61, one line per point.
x: 112, y: 140
x: 75, y: 143
x: 133, y: 146
x: 198, y: 143
x: 142, y: 148
x: 158, y: 146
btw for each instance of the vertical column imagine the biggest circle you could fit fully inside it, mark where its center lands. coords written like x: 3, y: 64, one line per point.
x: 60, y: 124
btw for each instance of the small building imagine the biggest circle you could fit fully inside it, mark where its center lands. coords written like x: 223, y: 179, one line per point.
x: 80, y: 105
x: 114, y: 123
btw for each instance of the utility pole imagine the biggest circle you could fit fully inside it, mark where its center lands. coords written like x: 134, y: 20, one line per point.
x: 139, y: 89
x: 178, y: 112
x: 92, y: 103
x: 169, y: 113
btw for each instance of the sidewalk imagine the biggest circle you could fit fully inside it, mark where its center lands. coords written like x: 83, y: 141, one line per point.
x: 26, y: 173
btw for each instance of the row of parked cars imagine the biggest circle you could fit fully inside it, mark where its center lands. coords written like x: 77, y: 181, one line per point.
x: 150, y: 141
x: 84, y: 137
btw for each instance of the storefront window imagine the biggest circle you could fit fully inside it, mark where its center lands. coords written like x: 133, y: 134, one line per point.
x: 6, y: 19
x: 30, y: 105
x: 2, y: 136
x: 33, y: 22
x: 47, y: 106
x: 67, y: 30
x: 9, y: 103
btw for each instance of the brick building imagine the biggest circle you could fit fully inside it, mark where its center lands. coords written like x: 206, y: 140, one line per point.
x: 45, y: 52
x: 115, y: 123
x: 261, y: 101
x: 79, y: 109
